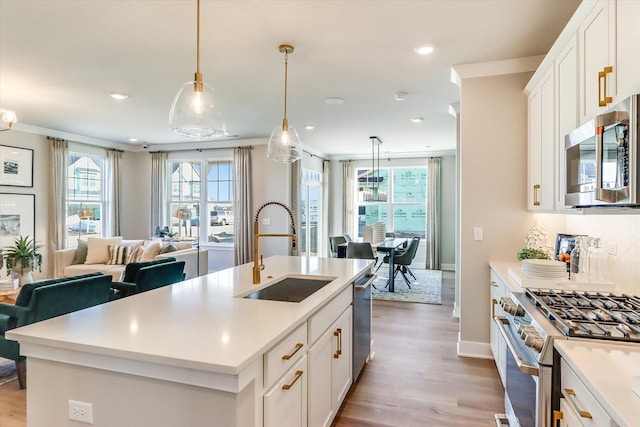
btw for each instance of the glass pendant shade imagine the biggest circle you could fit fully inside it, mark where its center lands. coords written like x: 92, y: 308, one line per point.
x: 195, y: 112
x: 284, y: 145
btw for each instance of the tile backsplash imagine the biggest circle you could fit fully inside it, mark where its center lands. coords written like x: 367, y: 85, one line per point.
x: 619, y: 233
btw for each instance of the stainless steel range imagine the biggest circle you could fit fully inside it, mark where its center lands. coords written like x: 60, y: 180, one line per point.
x: 534, y: 320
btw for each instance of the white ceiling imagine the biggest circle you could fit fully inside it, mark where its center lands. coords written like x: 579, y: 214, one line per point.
x: 59, y: 60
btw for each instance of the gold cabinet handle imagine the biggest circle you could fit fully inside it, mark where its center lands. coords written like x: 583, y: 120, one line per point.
x: 602, y: 83
x: 288, y: 386
x: 557, y: 416
x: 536, y: 202
x: 493, y: 307
x: 570, y: 396
x: 289, y: 356
x: 338, y: 333
x: 494, y: 284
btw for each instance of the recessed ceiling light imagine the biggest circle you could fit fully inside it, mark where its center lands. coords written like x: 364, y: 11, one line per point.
x: 416, y: 119
x: 423, y: 50
x: 334, y: 100
x: 310, y: 127
x: 133, y: 139
x: 119, y: 96
x: 400, y: 96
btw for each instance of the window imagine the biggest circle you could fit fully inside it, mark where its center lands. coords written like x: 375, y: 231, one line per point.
x: 404, y: 211
x: 310, y: 213
x: 188, y: 191
x: 85, y: 197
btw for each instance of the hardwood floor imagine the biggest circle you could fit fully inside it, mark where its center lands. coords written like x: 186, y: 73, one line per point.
x: 415, y: 379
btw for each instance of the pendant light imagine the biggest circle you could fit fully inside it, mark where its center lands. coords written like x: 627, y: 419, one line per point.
x: 284, y: 144
x: 195, y: 111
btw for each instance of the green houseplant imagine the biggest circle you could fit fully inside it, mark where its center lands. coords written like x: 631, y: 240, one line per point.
x: 22, y: 257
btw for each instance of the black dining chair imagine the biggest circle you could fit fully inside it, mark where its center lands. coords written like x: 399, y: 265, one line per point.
x: 334, y: 241
x: 403, y: 259
x: 360, y: 250
x: 347, y: 237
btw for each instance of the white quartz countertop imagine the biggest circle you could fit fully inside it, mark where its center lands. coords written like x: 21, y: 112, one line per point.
x: 501, y: 268
x: 607, y: 371
x: 196, y: 324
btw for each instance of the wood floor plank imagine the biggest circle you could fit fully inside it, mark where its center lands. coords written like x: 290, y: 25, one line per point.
x: 416, y: 378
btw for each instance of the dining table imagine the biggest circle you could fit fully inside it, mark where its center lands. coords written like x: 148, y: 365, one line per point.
x: 390, y: 246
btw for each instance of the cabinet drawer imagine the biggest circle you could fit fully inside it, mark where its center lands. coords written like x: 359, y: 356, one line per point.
x: 319, y: 322
x: 284, y: 355
x: 578, y: 397
x: 285, y: 404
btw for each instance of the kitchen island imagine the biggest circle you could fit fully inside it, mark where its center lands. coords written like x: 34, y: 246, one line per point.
x: 195, y: 353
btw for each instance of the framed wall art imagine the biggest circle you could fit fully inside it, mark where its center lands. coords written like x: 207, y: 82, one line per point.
x: 17, y: 217
x: 16, y: 166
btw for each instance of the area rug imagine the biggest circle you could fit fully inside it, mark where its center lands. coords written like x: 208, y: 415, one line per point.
x: 426, y: 289
x: 7, y: 370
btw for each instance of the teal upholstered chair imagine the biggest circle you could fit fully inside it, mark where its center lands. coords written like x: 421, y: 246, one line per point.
x: 152, y: 276
x: 46, y: 299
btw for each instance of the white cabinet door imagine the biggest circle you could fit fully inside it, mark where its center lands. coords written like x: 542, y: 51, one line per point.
x: 566, y: 65
x: 285, y: 404
x: 320, y: 362
x: 628, y: 52
x: 541, y: 144
x: 597, y: 41
x: 341, y: 375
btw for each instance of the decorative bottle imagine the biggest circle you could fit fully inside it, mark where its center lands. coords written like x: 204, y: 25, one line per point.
x: 597, y: 260
x: 576, y: 267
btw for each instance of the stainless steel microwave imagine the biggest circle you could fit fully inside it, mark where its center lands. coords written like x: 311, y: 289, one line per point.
x: 602, y: 159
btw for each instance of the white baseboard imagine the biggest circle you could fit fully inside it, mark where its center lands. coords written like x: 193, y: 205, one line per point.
x: 456, y: 309
x: 448, y: 267
x: 478, y: 350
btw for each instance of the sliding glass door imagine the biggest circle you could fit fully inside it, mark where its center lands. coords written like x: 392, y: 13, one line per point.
x: 310, y: 213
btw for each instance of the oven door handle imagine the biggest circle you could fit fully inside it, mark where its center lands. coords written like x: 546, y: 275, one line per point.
x: 522, y: 367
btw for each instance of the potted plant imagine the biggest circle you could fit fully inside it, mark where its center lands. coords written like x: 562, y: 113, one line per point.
x: 21, y: 258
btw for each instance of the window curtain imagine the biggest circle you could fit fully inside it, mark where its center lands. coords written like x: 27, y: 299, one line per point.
x: 326, y: 215
x: 296, y: 169
x: 113, y: 183
x: 433, y: 214
x: 159, y: 190
x: 348, y: 198
x: 242, y: 209
x: 58, y: 191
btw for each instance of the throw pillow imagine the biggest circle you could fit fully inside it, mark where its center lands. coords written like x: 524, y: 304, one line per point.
x: 183, y: 245
x: 168, y: 248
x: 136, y: 254
x: 118, y: 254
x: 98, y: 249
x: 151, y: 251
x: 81, y: 252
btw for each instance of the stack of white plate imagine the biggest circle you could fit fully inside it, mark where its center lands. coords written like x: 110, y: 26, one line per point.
x: 378, y: 232
x: 544, y: 269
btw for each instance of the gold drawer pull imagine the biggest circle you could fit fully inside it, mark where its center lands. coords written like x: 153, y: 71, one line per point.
x: 494, y: 284
x: 338, y: 333
x: 602, y: 82
x: 289, y: 356
x: 493, y: 307
x: 557, y: 416
x: 570, y: 396
x: 288, y: 386
x: 536, y: 202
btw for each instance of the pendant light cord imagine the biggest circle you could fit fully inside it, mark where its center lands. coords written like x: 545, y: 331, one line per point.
x: 286, y: 78
x: 198, y: 77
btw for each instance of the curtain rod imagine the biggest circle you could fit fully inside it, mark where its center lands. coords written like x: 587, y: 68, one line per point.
x: 393, y: 158
x: 200, y: 150
x: 52, y: 138
x: 314, y: 155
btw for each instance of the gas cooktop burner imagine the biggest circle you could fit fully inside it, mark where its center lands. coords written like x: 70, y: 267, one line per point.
x: 590, y: 314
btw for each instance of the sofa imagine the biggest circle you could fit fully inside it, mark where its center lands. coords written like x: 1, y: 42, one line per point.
x: 111, y: 255
x: 45, y: 299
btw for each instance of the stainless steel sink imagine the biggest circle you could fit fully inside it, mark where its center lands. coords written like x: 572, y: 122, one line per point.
x: 291, y: 289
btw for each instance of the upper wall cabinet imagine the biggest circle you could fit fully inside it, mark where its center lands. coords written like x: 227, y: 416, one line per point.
x: 628, y: 49
x: 598, y: 68
x: 541, y: 144
x: 566, y: 66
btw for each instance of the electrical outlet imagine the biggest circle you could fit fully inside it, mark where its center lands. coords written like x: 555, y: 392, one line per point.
x: 81, y: 411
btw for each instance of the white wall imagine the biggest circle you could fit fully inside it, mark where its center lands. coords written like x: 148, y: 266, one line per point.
x: 41, y: 173
x: 493, y: 165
